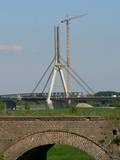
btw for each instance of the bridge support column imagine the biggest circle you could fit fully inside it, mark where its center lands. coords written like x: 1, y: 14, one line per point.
x: 50, y: 104
x: 39, y: 153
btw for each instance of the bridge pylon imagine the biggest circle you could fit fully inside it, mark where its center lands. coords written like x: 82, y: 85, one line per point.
x: 57, y: 68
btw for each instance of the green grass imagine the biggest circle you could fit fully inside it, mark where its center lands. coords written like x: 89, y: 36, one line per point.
x: 63, y: 152
x: 89, y: 112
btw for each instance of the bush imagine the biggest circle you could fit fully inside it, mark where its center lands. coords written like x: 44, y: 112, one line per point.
x: 2, y: 106
x: 116, y: 140
x: 117, y: 104
x: 27, y: 107
x: 73, y: 109
x: 2, y: 158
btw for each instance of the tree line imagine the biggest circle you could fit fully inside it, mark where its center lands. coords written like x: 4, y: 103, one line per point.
x: 107, y: 93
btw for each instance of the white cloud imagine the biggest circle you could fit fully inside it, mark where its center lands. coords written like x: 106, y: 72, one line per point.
x: 11, y: 47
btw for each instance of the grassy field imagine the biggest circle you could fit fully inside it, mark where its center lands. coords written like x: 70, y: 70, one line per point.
x: 71, y: 111
x: 62, y: 152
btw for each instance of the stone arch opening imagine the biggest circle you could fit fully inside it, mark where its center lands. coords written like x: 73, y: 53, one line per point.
x: 56, y: 150
x: 38, y: 153
x: 55, y: 137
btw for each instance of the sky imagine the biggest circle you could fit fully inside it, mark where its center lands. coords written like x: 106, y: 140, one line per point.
x: 27, y: 42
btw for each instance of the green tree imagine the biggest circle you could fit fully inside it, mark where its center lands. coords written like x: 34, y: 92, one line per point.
x: 107, y: 93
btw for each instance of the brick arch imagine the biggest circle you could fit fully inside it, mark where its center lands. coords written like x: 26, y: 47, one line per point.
x: 55, y: 137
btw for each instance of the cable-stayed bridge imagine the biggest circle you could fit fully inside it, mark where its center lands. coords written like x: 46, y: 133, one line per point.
x: 57, y: 65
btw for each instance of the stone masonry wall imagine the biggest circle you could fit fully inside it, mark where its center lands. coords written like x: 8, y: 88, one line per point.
x: 98, y: 130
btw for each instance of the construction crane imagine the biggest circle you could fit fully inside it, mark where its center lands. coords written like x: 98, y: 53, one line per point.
x: 67, y: 21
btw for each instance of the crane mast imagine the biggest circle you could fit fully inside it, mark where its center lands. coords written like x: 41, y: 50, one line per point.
x: 67, y: 21
x: 68, y: 56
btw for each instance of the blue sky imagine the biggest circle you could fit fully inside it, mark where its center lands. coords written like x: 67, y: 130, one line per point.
x: 27, y: 46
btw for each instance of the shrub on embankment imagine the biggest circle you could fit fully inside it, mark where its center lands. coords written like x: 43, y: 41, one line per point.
x: 2, y: 106
x: 116, y: 140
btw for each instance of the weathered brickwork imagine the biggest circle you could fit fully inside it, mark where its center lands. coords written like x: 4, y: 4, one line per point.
x: 93, y: 135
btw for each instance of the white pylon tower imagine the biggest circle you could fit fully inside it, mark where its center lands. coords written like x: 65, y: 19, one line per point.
x: 57, y: 68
